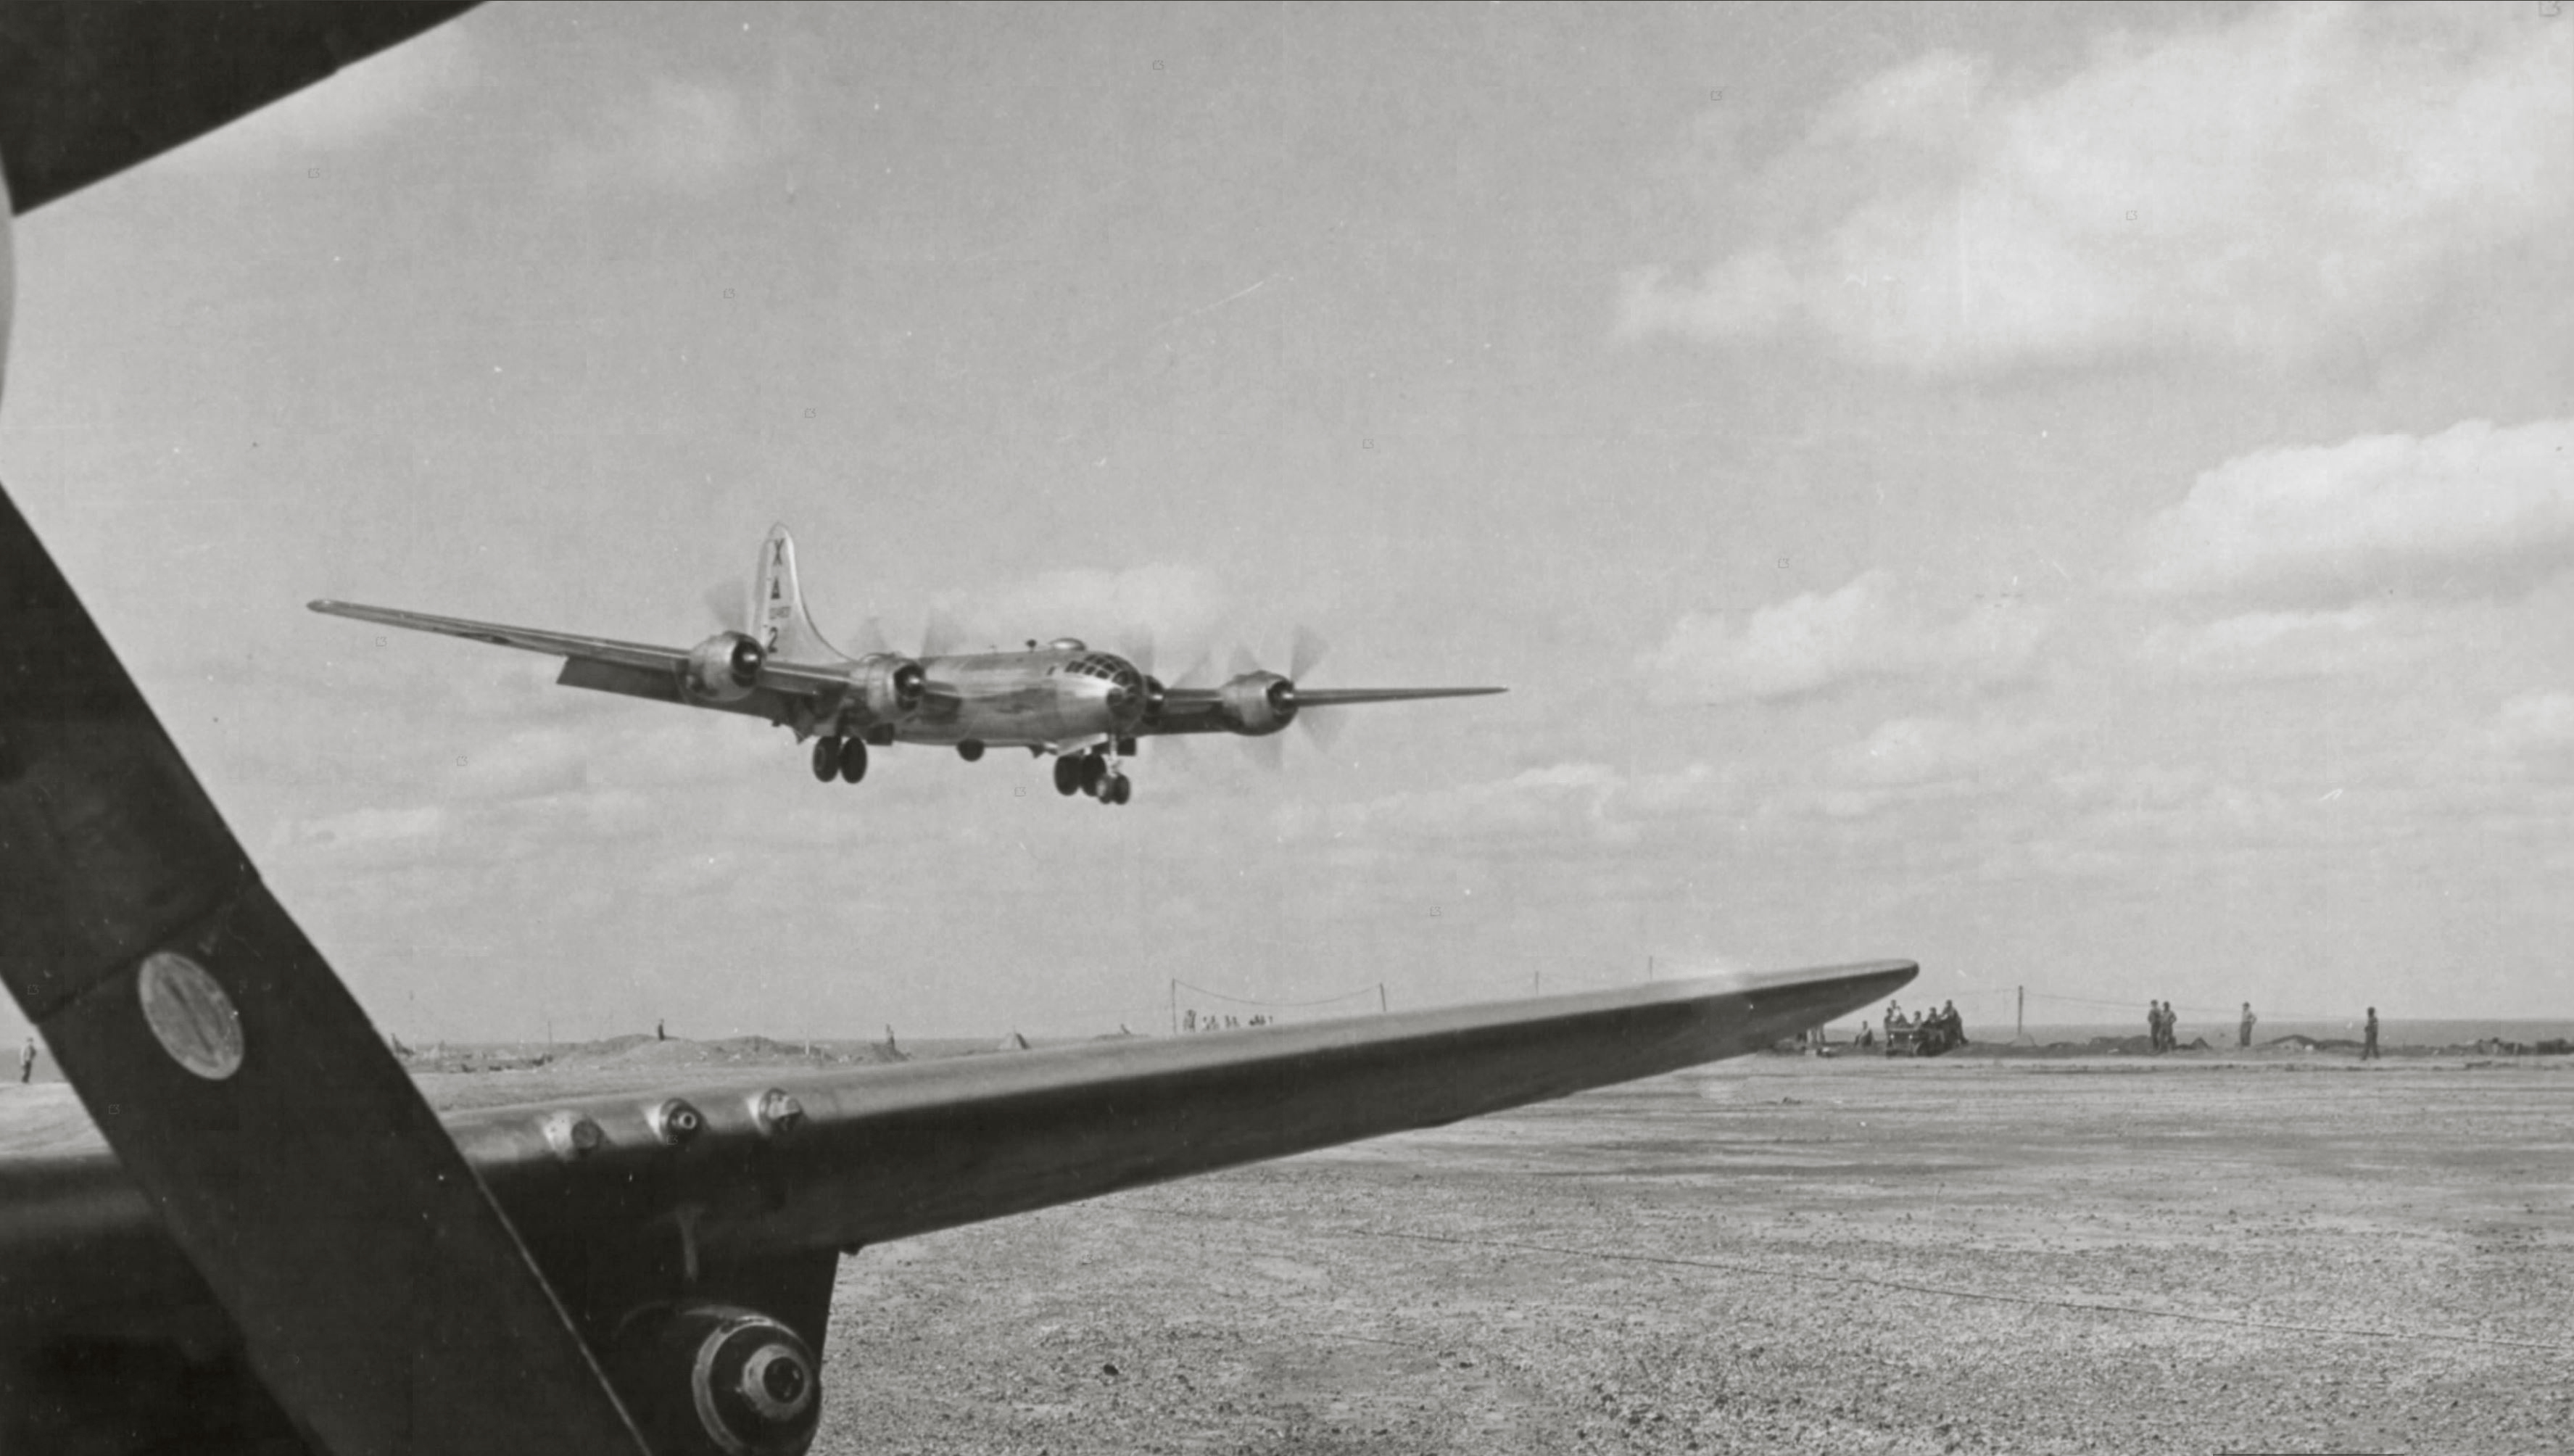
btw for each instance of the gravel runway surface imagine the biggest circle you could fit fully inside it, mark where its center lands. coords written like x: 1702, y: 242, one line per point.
x: 1783, y: 1254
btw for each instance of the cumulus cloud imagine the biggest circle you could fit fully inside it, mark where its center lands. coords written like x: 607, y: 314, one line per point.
x: 1565, y: 802
x: 1911, y: 759
x: 1815, y: 640
x: 687, y: 137
x: 1910, y: 751
x: 2261, y: 188
x: 2534, y: 728
x: 2266, y: 644
x: 2468, y: 509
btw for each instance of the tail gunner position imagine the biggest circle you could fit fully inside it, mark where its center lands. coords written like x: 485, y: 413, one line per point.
x: 1088, y: 709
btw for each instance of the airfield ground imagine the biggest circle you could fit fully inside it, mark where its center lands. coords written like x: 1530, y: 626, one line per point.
x: 2200, y: 1253
x: 1780, y: 1254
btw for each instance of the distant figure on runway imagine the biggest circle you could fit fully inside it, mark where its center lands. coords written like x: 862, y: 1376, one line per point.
x: 2369, y: 1043
x: 26, y: 1063
x: 2243, y: 1033
x: 660, y: 1032
x: 2171, y: 1028
x: 2154, y: 1024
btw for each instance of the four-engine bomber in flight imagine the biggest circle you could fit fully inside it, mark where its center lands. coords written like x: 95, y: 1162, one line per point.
x: 1087, y: 708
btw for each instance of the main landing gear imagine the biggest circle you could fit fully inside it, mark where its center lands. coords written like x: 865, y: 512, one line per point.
x: 842, y: 759
x: 1090, y: 774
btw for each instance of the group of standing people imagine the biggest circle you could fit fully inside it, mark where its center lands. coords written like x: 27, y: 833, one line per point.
x: 1932, y: 1031
x: 2163, y: 1023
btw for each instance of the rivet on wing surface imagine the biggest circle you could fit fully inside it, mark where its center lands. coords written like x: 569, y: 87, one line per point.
x: 676, y: 1121
x: 573, y: 1135
x: 776, y: 1112
x: 189, y: 1015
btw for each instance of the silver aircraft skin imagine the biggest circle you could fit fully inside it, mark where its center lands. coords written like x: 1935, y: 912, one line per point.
x: 1088, y: 709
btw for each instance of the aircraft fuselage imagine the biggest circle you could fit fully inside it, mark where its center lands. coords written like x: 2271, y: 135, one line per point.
x: 1051, y: 697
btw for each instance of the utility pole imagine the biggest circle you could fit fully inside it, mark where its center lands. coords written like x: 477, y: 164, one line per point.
x: 1175, y: 1005
x: 1380, y: 999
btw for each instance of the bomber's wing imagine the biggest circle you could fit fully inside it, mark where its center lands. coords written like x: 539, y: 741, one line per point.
x: 1203, y: 709
x: 609, y: 666
x: 621, y: 1210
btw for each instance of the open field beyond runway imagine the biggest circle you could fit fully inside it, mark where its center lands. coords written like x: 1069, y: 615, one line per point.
x: 2096, y: 1254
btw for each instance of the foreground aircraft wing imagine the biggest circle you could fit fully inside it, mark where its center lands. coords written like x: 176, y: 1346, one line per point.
x: 621, y: 1210
x: 632, y: 668
x: 88, y: 90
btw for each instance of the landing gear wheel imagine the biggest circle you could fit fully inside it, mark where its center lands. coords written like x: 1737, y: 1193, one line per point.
x: 827, y: 759
x: 970, y: 749
x: 1067, y: 777
x: 854, y: 761
x: 1120, y: 790
x: 1094, y: 770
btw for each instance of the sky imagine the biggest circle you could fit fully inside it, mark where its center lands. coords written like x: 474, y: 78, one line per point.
x: 2078, y: 496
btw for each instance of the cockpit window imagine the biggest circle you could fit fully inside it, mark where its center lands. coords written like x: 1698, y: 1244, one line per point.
x: 1109, y: 670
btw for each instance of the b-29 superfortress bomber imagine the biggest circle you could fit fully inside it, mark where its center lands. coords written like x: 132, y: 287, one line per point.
x: 1088, y: 708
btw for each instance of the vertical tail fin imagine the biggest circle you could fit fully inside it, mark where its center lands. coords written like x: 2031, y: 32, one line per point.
x: 778, y: 618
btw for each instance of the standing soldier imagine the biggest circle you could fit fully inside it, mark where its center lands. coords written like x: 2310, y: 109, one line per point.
x: 26, y: 1063
x: 2154, y: 1024
x: 2368, y: 1045
x: 2243, y: 1033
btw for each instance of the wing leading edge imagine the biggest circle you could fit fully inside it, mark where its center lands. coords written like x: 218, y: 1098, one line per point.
x: 635, y: 669
x: 812, y: 1165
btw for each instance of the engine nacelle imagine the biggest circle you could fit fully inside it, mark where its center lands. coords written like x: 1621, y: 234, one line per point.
x: 717, y: 1380
x: 887, y: 688
x: 1258, y: 704
x: 723, y: 669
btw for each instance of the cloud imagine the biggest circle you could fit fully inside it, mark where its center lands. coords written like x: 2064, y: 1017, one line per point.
x: 358, y: 104
x: 2471, y: 508
x: 2268, y: 644
x: 685, y: 137
x: 1914, y: 759
x: 369, y: 835
x: 2533, y: 729
x: 2262, y: 189
x: 1573, y: 802
x: 1914, y: 751
x: 1813, y: 642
